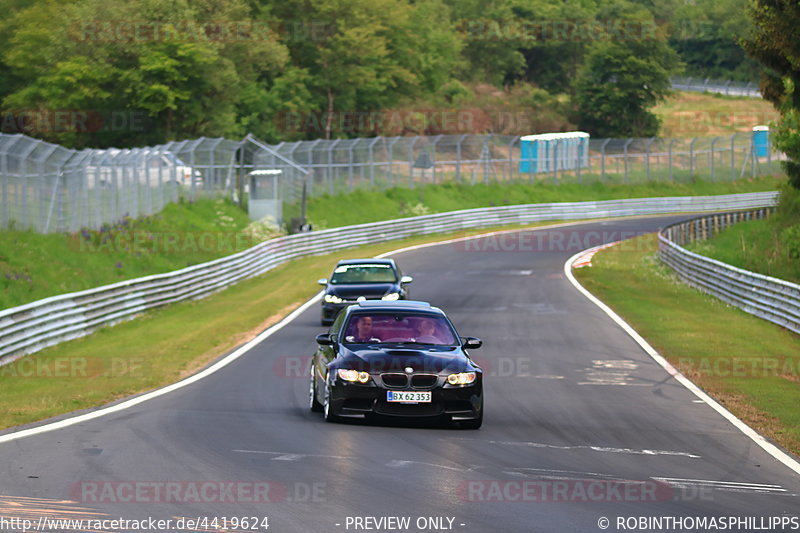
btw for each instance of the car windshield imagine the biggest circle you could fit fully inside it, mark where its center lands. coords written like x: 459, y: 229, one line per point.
x: 399, y: 328
x: 363, y: 273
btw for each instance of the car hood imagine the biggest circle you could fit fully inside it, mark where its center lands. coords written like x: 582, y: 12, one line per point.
x: 368, y: 290
x: 437, y: 359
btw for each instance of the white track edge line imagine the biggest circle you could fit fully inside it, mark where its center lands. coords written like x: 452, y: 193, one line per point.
x: 756, y: 437
x: 233, y: 356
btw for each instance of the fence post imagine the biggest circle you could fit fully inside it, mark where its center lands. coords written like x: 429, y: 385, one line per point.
x: 669, y: 159
x: 435, y: 140
x: 769, y: 151
x: 647, y: 155
x: 691, y: 157
x: 733, y: 157
x: 511, y: 157
x: 391, y: 160
x: 603, y: 160
x: 625, y: 152
x: 458, y: 157
x: 411, y: 161
x: 372, y: 163
x: 713, y: 157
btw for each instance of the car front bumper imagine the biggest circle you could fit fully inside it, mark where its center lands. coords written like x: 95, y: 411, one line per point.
x: 357, y: 400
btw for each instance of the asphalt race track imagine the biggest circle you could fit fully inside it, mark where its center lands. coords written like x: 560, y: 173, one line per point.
x: 580, y: 425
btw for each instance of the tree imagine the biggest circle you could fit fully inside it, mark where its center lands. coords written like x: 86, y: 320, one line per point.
x: 178, y: 69
x: 705, y: 34
x: 623, y: 78
x: 774, y: 43
x: 363, y: 55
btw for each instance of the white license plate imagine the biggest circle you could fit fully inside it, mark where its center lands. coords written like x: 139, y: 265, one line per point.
x: 408, y: 396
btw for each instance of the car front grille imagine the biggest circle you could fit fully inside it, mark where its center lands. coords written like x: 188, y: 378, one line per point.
x: 395, y: 381
x: 424, y: 381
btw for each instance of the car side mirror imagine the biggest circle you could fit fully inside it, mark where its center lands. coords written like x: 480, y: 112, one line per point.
x: 472, y: 342
x: 322, y: 281
x: 324, y: 339
x: 406, y: 279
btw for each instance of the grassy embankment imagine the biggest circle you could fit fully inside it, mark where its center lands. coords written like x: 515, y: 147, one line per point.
x: 770, y: 246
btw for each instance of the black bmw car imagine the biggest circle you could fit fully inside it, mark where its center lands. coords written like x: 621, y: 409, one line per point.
x: 401, y: 358
x: 361, y: 279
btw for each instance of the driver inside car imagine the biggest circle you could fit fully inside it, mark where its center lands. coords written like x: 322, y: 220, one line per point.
x: 426, y: 332
x: 363, y: 331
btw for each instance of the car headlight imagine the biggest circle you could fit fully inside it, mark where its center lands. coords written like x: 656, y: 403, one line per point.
x: 392, y: 296
x: 463, y: 378
x: 353, y: 375
x: 332, y: 299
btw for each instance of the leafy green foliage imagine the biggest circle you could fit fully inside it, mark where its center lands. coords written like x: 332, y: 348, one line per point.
x: 623, y: 79
x: 172, y: 70
x: 774, y: 43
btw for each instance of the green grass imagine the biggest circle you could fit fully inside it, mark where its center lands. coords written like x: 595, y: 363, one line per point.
x: 751, y: 366
x: 157, y: 348
x: 35, y: 266
x: 370, y: 206
x: 770, y: 246
x: 690, y: 114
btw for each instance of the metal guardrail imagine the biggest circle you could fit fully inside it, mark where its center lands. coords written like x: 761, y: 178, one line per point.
x: 31, y: 327
x: 766, y: 297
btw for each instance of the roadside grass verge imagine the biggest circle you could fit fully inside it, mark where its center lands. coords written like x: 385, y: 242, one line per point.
x: 158, y: 348
x: 359, y: 206
x: 35, y: 266
x: 750, y: 366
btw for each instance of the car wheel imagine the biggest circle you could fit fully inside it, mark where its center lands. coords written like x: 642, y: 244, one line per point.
x: 313, y: 403
x: 326, y: 404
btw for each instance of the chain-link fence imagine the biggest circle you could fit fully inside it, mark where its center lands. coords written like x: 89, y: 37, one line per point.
x: 47, y: 188
x: 731, y: 88
x: 379, y: 163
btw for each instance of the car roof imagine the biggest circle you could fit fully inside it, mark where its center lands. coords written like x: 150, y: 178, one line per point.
x: 366, y: 261
x: 398, y: 305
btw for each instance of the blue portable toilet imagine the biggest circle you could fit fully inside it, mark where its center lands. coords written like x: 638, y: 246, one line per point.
x: 528, y: 149
x: 546, y: 152
x: 761, y: 141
